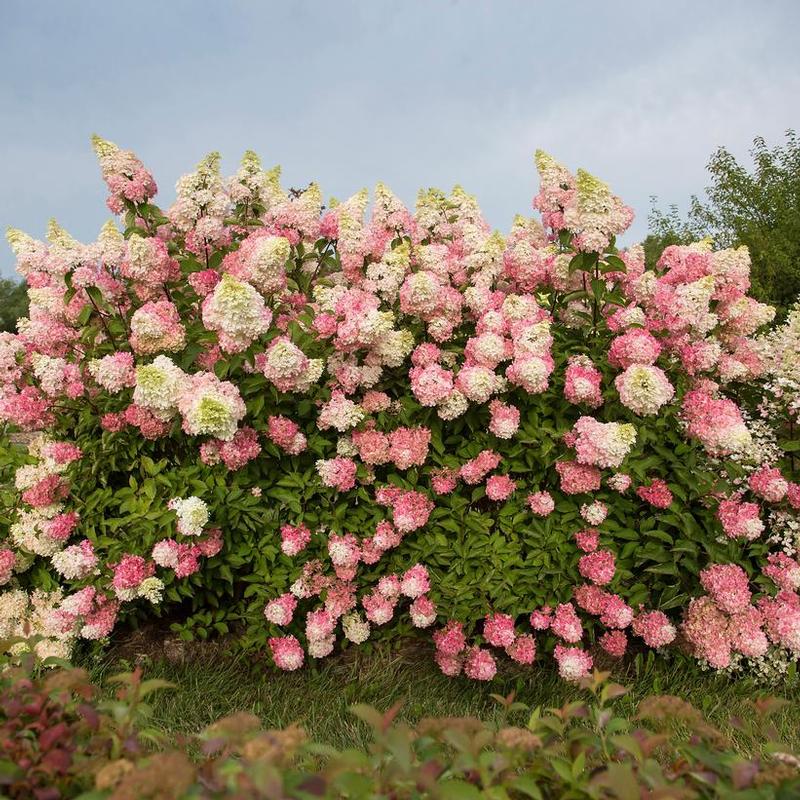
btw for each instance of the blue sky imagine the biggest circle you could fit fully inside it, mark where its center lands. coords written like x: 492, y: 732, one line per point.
x: 412, y: 93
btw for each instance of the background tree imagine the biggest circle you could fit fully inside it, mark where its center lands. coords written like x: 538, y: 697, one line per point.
x: 758, y: 208
x: 13, y: 303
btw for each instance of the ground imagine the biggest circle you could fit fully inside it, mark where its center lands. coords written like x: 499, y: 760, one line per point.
x: 212, y: 681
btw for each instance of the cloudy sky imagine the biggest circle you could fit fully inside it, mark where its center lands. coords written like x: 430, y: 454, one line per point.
x: 414, y: 93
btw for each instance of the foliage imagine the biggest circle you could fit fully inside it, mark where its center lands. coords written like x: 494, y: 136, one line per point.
x: 13, y: 303
x: 62, y: 740
x: 759, y: 209
x: 268, y: 416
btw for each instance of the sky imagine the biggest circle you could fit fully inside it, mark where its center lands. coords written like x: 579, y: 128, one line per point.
x: 412, y: 93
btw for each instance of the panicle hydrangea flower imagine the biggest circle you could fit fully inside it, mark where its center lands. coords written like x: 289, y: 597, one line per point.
x: 210, y: 406
x: 582, y: 382
x: 504, y: 421
x: 114, y: 372
x: 237, y: 452
x: 619, y: 482
x: 587, y: 540
x: 409, y: 446
x: 728, y: 586
x: 280, y: 611
x: 74, y: 562
x: 635, y: 346
x: 431, y: 384
x: 603, y: 444
x: 286, y: 434
x: 124, y: 174
x: 654, y: 627
x: 422, y: 612
x: 784, y: 571
x: 343, y: 550
x: 578, y: 478
x: 476, y: 469
x: 500, y: 487
x: 148, y: 261
x: 158, y: 387
x: 192, y: 513
x: 8, y: 560
x: 450, y: 640
x: 541, y: 503
x: 286, y: 652
x: 236, y: 311
x: 415, y: 582
x: 644, y: 389
x: 594, y: 513
x: 356, y: 629
x: 598, y: 567
x: 410, y: 511
x: 768, y: 483
x: 657, y: 493
x: 706, y: 628
x: 378, y: 609
x: 338, y: 473
x: 573, y: 662
x: 340, y: 413
x: 156, y: 327
x: 522, y: 649
x: 615, y: 643
x: 286, y: 366
x: 615, y: 613
x: 261, y: 261
x: 479, y: 664
x: 566, y: 624
x: 372, y: 446
x: 294, y: 539
x: 498, y: 629
x: 716, y: 422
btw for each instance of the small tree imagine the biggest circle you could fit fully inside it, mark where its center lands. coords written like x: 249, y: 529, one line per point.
x: 13, y: 303
x: 760, y: 209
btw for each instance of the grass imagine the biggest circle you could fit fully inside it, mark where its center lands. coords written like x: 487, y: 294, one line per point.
x: 212, y: 683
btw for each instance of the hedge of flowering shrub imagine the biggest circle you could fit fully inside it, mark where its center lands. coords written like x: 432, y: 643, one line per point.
x: 320, y: 424
x: 60, y: 738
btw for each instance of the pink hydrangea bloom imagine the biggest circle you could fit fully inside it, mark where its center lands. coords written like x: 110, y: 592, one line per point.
x: 582, y: 382
x: 294, y: 539
x: 566, y: 624
x: 504, y: 421
x: 769, y: 484
x: 541, y: 503
x: 286, y: 652
x: 587, y: 540
x: 573, y: 663
x: 479, y: 665
x: 450, y: 640
x: 598, y: 567
x: 286, y: 434
x: 657, y: 493
x: 422, y: 612
x: 415, y: 581
x: 654, y: 627
x: 500, y: 487
x: 498, y: 629
x: 740, y: 520
x: 578, y: 478
x: 728, y: 586
x: 615, y: 643
x: 522, y: 649
x: 281, y: 610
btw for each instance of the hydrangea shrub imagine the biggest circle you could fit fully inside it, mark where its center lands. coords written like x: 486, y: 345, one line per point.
x: 324, y: 423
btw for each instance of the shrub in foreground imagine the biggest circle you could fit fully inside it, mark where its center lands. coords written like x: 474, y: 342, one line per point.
x: 309, y: 424
x: 59, y: 739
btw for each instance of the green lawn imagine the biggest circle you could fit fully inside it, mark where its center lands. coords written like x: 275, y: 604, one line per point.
x: 212, y: 683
